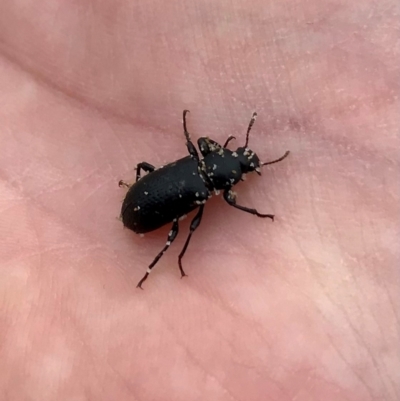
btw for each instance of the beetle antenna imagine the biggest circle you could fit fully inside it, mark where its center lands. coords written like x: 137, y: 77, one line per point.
x: 184, y: 125
x: 277, y: 160
x: 253, y: 118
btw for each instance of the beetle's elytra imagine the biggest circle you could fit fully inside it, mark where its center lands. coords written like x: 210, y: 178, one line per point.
x: 167, y: 194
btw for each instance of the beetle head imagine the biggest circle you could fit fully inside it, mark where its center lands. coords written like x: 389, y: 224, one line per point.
x: 248, y: 160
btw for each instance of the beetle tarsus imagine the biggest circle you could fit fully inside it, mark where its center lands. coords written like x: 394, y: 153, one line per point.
x: 122, y: 183
x: 139, y: 285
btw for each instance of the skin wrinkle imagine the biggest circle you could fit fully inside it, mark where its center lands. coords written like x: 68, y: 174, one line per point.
x: 255, y: 324
x: 27, y: 256
x: 93, y: 191
x: 314, y: 209
x: 96, y: 141
x: 79, y: 230
x: 359, y: 338
x: 279, y: 66
x: 343, y: 358
x: 235, y: 314
x: 196, y: 360
x: 355, y: 332
x: 350, y: 325
x: 53, y: 187
x: 73, y: 98
x: 180, y: 342
x: 353, y: 276
x: 116, y: 138
x: 95, y: 360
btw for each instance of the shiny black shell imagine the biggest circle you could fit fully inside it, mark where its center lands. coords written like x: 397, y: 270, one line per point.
x: 163, y: 195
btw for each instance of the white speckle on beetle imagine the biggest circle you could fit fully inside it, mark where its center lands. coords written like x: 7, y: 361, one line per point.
x: 217, y: 191
x: 234, y: 154
x: 135, y: 209
x: 146, y: 193
x: 258, y: 170
x: 168, y: 243
x: 214, y: 167
x: 234, y: 171
x: 232, y: 194
x: 197, y: 202
x: 197, y: 194
x: 221, y: 152
x: 232, y: 180
x: 180, y: 195
x: 148, y: 271
x: 251, y: 164
x: 244, y: 176
x: 183, y: 217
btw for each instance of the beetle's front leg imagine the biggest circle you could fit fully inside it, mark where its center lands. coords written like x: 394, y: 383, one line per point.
x: 143, y: 166
x: 171, y: 236
x: 230, y: 198
x: 230, y: 137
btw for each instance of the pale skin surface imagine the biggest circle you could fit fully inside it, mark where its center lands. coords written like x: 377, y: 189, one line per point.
x: 305, y: 308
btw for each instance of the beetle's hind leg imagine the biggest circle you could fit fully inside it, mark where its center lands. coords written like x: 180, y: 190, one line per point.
x: 171, y: 236
x: 193, y: 225
x: 143, y: 166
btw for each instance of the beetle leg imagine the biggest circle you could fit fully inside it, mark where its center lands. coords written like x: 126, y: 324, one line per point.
x: 230, y: 137
x: 230, y: 198
x: 171, y: 236
x: 143, y: 166
x: 189, y: 144
x: 193, y: 225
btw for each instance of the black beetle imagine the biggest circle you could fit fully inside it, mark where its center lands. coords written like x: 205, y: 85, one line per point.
x: 168, y: 193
